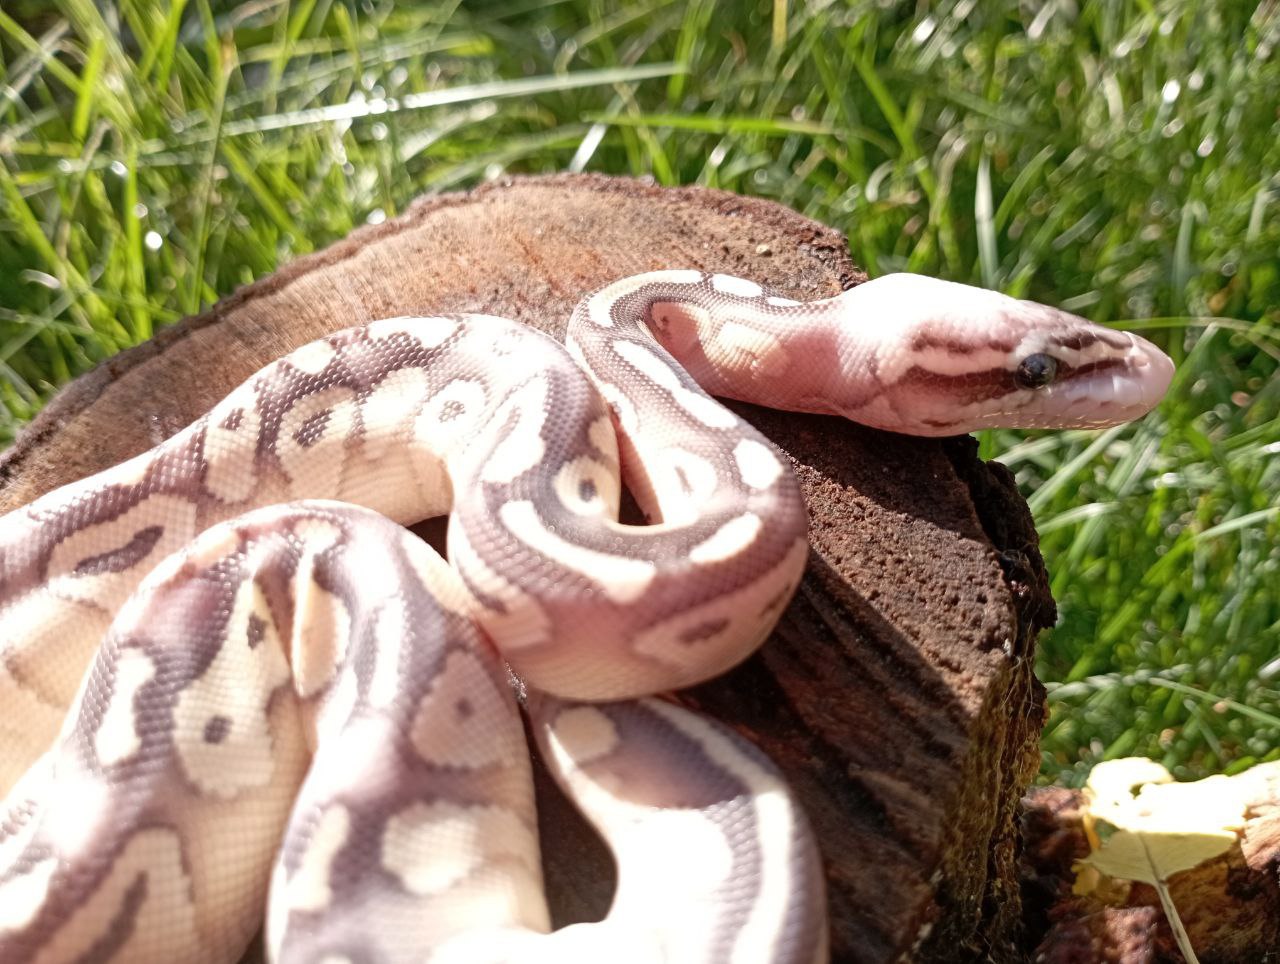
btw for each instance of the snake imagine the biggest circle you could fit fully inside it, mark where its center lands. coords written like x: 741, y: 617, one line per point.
x: 237, y: 693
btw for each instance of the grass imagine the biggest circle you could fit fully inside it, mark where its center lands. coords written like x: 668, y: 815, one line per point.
x: 1117, y: 159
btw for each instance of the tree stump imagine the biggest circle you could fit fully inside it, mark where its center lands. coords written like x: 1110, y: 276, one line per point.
x: 897, y: 692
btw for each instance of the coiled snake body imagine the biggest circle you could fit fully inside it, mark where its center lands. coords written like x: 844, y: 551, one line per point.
x: 291, y: 703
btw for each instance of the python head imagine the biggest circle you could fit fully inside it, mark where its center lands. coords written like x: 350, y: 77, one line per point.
x: 933, y: 357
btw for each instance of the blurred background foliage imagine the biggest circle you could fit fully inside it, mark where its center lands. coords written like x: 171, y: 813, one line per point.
x: 1119, y: 159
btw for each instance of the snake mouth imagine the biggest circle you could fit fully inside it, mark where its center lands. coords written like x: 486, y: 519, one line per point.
x: 1125, y: 387
x: 1116, y: 386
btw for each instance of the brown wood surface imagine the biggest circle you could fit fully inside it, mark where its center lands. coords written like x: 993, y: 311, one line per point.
x: 897, y: 692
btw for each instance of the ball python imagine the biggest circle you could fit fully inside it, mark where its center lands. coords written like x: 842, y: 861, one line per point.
x: 233, y: 687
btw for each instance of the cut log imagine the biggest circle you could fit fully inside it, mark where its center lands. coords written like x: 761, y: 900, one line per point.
x: 897, y: 692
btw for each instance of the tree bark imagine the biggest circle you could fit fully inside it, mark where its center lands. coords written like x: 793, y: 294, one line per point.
x: 897, y: 692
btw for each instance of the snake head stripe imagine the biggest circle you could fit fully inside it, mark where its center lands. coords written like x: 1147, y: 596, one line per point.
x: 944, y: 358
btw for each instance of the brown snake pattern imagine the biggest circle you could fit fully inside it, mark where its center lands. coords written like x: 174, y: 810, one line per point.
x: 293, y: 704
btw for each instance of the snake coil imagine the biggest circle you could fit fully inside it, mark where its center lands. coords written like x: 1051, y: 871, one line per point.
x: 233, y: 685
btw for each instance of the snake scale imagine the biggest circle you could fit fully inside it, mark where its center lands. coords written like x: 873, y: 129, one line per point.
x: 233, y: 688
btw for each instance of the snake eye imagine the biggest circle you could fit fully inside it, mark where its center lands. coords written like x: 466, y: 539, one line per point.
x: 1036, y: 371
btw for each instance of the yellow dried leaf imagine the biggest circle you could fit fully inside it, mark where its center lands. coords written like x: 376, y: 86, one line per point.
x: 1154, y: 857
x: 1144, y: 827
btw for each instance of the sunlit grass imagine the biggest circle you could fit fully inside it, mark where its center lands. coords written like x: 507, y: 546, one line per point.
x: 1119, y: 160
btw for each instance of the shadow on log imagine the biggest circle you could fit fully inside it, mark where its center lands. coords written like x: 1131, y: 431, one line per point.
x: 897, y: 692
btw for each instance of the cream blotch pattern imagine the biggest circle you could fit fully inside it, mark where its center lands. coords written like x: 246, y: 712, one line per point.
x: 233, y: 688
